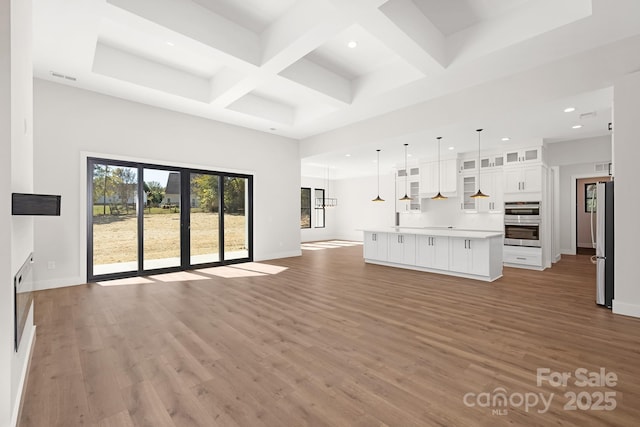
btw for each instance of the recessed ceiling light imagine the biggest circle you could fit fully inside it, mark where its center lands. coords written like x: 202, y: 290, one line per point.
x: 570, y: 109
x: 352, y: 44
x: 170, y: 44
x: 409, y: 155
x: 452, y: 148
x: 576, y: 126
x: 347, y: 155
x: 506, y: 138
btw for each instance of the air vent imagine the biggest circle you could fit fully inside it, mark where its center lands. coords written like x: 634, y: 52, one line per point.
x: 62, y: 76
x: 589, y: 115
x: 603, y: 168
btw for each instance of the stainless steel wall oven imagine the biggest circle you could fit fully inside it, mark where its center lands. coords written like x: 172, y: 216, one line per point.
x: 522, y: 224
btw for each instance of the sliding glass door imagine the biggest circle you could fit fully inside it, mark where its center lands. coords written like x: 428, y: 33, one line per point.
x: 148, y: 218
x: 236, y: 242
x: 161, y: 223
x: 113, y: 220
x: 204, y: 218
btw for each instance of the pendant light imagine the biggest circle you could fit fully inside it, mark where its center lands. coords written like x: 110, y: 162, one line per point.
x: 378, y: 199
x: 479, y: 194
x: 406, y: 176
x: 439, y: 196
x: 326, y: 202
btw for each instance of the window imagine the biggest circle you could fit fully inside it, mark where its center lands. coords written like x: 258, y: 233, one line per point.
x: 305, y: 208
x: 319, y: 208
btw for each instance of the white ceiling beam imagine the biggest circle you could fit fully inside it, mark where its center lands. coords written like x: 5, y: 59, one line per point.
x: 304, y: 28
x: 369, y: 16
x: 410, y: 19
x: 121, y: 65
x: 383, y: 80
x: 222, y: 84
x: 513, y: 28
x: 311, y: 75
x: 264, y: 108
x: 197, y: 23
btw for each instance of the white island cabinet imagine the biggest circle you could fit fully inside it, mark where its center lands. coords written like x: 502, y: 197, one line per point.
x: 465, y: 253
x: 433, y: 252
x: 469, y: 255
x: 375, y: 246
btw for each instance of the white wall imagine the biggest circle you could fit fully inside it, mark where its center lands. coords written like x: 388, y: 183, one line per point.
x: 588, y: 150
x: 329, y: 231
x: 16, y: 169
x: 447, y: 213
x: 70, y: 122
x: 626, y: 107
x: 575, y: 158
x: 355, y: 209
x: 567, y: 207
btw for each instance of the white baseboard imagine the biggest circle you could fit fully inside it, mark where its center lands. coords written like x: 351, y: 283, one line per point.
x: 626, y: 309
x: 41, y: 285
x: 277, y: 255
x: 567, y: 252
x: 23, y: 378
x: 557, y: 258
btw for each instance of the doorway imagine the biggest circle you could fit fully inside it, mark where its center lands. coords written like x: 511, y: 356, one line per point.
x: 145, y: 219
x: 586, y: 206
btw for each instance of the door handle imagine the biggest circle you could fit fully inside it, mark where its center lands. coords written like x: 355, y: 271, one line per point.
x: 469, y: 244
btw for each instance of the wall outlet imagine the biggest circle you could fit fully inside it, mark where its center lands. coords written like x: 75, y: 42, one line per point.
x: 51, y: 265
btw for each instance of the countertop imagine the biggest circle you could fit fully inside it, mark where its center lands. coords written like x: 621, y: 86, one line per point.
x: 438, y: 231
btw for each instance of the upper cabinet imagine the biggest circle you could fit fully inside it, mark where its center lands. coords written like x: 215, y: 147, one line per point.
x: 491, y: 184
x: 439, y: 176
x: 492, y: 161
x: 408, y: 184
x: 467, y: 165
x: 414, y: 172
x: 526, y: 179
x: 529, y: 155
x: 468, y: 184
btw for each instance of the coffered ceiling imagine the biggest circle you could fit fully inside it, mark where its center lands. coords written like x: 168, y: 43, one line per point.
x: 316, y: 70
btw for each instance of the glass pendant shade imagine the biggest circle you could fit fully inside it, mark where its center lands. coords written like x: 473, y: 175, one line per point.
x: 479, y: 194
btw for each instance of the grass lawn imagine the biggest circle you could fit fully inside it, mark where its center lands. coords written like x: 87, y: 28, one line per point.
x: 115, y: 236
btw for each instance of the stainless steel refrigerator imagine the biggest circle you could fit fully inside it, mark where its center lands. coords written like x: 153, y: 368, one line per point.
x: 604, y: 244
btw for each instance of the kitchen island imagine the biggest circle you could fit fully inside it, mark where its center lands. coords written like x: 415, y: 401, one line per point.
x: 473, y: 254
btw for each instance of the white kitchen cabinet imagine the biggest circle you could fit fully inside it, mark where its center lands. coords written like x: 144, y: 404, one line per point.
x: 522, y: 256
x: 523, y: 179
x: 412, y: 189
x: 402, y: 248
x: 463, y: 253
x: 432, y: 252
x: 525, y: 155
x: 467, y: 165
x: 469, y: 256
x: 468, y: 204
x: 376, y: 246
x: 446, y: 182
x: 414, y: 172
x: 491, y: 184
x: 492, y: 161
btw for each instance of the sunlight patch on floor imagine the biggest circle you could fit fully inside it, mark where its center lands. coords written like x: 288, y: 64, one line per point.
x: 330, y: 244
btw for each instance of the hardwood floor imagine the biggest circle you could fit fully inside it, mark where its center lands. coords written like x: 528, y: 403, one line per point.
x: 330, y: 341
